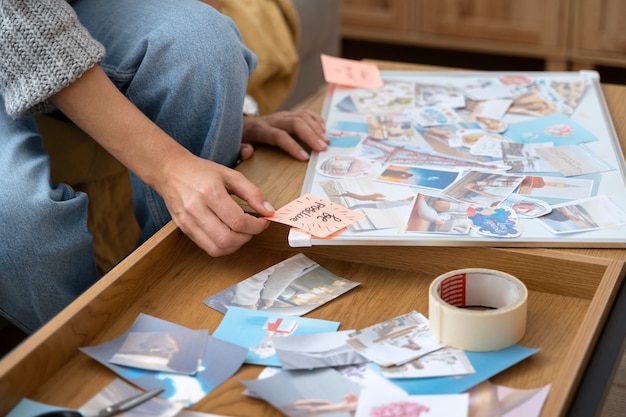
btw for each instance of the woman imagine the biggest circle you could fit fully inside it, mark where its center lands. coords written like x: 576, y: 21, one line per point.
x: 160, y: 84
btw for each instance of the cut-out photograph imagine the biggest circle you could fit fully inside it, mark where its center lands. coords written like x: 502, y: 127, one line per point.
x: 179, y: 351
x: 294, y: 286
x: 395, y: 341
x: 438, y: 214
x: 483, y: 188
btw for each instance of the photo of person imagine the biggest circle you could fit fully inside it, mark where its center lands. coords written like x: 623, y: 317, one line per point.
x: 385, y: 206
x: 434, y: 214
x: 448, y: 140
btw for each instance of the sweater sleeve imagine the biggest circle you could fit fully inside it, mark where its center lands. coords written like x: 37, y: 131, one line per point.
x: 44, y: 48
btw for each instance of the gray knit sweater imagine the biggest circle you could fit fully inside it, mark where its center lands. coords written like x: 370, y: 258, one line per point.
x: 43, y: 48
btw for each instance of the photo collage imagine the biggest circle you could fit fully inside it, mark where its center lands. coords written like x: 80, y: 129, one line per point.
x: 520, y: 159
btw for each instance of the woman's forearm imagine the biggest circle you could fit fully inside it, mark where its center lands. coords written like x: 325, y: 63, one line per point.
x: 95, y: 105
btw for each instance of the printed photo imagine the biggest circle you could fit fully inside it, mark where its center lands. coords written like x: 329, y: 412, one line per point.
x: 427, y: 95
x: 310, y: 393
x: 220, y: 361
x: 346, y: 165
x: 444, y: 362
x: 573, y: 160
x: 583, y: 215
x: 395, y: 341
x: 556, y: 128
x: 395, y: 96
x: 434, y: 179
x: 319, y: 350
x: 556, y: 188
x: 483, y: 188
x: 413, y: 405
x: 526, y: 157
x: 294, y: 286
x: 487, y: 399
x: 527, y: 207
x: 438, y: 214
x: 180, y: 351
x: 385, y: 206
x: 532, y: 103
x: 256, y: 330
x: 481, y: 143
x: 390, y: 127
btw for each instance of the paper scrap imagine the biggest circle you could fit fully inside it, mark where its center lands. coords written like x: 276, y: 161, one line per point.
x: 351, y: 73
x: 315, y: 215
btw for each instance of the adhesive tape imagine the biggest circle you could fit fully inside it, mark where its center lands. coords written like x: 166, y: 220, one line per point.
x: 477, y: 309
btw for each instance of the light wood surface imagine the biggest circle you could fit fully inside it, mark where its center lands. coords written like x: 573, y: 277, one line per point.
x: 169, y: 276
x: 571, y: 291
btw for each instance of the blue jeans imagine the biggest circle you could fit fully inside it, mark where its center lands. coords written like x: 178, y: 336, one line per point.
x: 185, y: 66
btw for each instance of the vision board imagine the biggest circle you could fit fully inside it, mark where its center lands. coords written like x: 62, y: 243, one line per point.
x: 472, y: 159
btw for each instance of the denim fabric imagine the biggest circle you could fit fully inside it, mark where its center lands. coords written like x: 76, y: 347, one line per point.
x: 185, y: 66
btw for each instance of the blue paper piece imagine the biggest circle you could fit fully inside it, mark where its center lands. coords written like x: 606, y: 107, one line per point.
x: 220, y: 361
x: 29, y: 408
x: 344, y: 141
x: 254, y: 329
x: 356, y: 127
x: 486, y: 365
x: 556, y: 128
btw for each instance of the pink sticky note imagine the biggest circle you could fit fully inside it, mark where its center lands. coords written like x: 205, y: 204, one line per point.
x: 351, y: 73
x: 315, y: 215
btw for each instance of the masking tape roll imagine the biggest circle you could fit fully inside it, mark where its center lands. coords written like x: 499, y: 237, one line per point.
x: 477, y: 309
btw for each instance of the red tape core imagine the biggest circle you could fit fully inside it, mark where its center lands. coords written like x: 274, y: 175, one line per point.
x: 452, y: 290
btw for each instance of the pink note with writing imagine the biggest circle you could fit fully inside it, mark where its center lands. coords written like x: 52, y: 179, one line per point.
x: 315, y: 215
x: 351, y: 73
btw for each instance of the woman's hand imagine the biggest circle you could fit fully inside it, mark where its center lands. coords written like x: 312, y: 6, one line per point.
x: 197, y: 192
x: 285, y: 130
x: 198, y: 196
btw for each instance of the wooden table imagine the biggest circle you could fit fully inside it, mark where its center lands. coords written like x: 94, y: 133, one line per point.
x: 571, y: 294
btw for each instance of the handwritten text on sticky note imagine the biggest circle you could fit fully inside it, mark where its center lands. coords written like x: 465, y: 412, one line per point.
x: 315, y: 215
x: 351, y: 73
